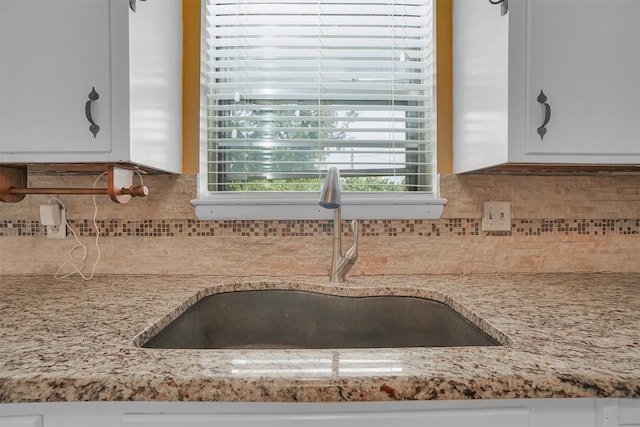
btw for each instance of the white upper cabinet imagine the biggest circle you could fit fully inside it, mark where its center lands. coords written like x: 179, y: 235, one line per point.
x: 47, y: 72
x: 550, y: 82
x: 91, y: 82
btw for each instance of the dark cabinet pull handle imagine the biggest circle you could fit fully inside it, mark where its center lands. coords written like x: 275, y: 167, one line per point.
x: 542, y: 99
x: 132, y: 4
x: 504, y: 6
x: 93, y: 96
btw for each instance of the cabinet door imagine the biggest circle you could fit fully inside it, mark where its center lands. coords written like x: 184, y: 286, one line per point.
x: 585, y: 56
x: 507, y: 417
x: 21, y: 421
x: 52, y: 54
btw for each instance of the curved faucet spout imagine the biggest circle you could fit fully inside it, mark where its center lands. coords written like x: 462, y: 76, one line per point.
x: 350, y: 256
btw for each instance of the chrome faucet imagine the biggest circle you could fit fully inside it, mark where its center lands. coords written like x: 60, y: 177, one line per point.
x: 330, y: 198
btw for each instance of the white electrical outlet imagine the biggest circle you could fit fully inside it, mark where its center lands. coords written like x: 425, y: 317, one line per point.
x: 58, y: 231
x: 497, y: 216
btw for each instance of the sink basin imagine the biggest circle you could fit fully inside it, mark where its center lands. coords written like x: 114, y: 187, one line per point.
x: 288, y: 319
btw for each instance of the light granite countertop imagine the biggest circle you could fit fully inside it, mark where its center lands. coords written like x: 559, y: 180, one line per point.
x: 565, y: 335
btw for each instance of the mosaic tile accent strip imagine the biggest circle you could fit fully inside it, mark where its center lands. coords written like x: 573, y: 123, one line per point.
x: 451, y: 227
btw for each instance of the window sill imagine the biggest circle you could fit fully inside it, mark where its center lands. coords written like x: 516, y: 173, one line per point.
x: 304, y: 205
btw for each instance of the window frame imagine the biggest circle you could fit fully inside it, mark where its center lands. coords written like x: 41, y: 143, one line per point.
x: 303, y: 205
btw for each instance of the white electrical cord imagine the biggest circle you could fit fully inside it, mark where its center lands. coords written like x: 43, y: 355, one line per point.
x: 139, y: 176
x: 78, y: 263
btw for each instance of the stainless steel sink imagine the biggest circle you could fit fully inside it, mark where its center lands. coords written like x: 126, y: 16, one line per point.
x: 288, y: 319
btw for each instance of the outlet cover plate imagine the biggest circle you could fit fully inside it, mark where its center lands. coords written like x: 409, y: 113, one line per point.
x: 58, y: 231
x: 497, y: 216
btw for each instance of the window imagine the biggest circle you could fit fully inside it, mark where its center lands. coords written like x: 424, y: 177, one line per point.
x: 297, y: 86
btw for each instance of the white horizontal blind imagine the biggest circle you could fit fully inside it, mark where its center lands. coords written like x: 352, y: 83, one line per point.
x: 298, y: 86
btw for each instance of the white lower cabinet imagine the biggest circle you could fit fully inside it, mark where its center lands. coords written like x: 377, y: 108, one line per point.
x: 21, y: 421
x: 486, y: 413
x: 629, y: 413
x: 412, y: 418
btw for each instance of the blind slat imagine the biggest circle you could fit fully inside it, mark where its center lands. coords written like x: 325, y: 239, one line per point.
x: 380, y: 108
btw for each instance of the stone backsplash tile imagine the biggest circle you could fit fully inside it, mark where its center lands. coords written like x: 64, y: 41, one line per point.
x: 168, y: 198
x: 286, y: 256
x: 560, y: 224
x: 591, y: 196
x: 531, y: 197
